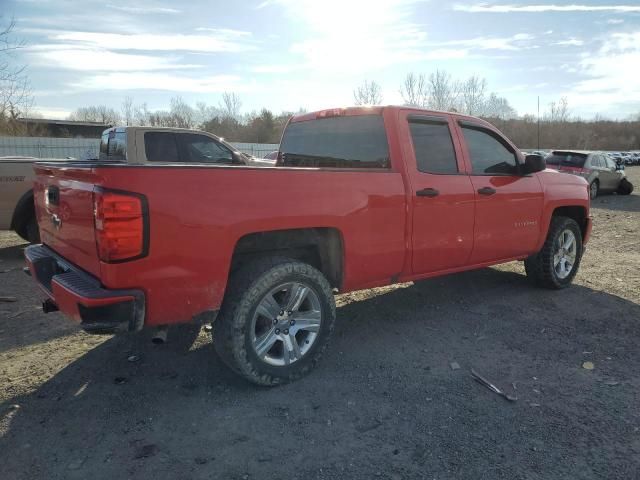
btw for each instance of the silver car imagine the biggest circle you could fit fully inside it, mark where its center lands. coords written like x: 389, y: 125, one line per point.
x: 602, y: 173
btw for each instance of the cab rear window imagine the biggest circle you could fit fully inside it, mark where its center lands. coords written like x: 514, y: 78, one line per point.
x: 336, y: 142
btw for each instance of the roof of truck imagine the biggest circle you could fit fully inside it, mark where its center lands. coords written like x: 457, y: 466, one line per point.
x: 374, y: 110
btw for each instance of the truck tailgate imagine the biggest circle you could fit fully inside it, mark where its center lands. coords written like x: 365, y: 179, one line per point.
x: 63, y: 198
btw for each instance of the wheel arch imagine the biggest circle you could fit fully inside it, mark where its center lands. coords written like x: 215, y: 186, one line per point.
x: 24, y: 211
x: 321, y: 247
x: 577, y: 213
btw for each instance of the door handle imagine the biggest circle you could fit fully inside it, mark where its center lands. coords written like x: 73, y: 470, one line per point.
x: 428, y: 192
x: 486, y: 191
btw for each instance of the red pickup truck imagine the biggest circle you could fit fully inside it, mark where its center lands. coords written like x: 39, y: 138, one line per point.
x: 358, y: 198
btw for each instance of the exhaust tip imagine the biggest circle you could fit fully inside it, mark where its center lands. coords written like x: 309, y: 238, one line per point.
x: 160, y: 335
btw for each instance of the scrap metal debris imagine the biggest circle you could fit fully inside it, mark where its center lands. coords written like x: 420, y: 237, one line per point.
x: 480, y: 379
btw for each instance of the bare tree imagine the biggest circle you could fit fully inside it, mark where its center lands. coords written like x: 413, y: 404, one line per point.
x: 141, y: 114
x: 472, y: 95
x: 498, y: 107
x: 15, y: 90
x: 96, y: 113
x: 558, y: 111
x: 369, y: 93
x: 231, y: 105
x: 182, y: 114
x: 442, y: 91
x: 414, y: 90
x: 127, y: 111
x: 206, y: 112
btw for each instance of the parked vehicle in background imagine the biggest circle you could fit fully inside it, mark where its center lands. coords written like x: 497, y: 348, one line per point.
x: 272, y: 155
x: 142, y: 145
x: 16, y: 197
x: 616, y: 157
x: 602, y: 173
x: 361, y: 197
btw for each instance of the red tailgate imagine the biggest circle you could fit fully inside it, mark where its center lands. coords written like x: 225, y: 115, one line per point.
x: 64, y: 208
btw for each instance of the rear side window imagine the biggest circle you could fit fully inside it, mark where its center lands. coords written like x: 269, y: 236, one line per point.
x: 113, y: 146
x: 196, y: 148
x: 490, y: 155
x: 338, y: 142
x: 566, y: 158
x: 433, y: 147
x: 161, y: 147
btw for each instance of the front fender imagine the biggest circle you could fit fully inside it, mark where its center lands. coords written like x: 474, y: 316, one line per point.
x: 568, y: 193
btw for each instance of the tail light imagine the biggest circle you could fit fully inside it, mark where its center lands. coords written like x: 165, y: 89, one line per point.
x: 121, y: 224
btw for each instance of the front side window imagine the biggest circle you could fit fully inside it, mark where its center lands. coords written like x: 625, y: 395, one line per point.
x: 433, y: 147
x: 161, y: 147
x: 339, y: 142
x: 195, y: 148
x: 490, y: 155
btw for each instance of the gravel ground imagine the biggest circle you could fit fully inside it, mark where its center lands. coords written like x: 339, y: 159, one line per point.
x: 384, y: 403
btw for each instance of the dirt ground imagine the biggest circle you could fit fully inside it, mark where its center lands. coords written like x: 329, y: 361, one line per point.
x: 385, y: 401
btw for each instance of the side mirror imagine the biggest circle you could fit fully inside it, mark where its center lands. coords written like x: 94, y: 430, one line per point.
x: 533, y: 163
x: 620, y: 166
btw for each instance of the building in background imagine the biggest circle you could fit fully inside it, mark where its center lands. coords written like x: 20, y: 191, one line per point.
x: 65, y: 128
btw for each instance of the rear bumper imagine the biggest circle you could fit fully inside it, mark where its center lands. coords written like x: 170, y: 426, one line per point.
x: 81, y: 297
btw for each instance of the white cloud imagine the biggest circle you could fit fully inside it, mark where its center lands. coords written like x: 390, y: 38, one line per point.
x: 163, y: 81
x: 571, y: 42
x: 615, y: 21
x: 515, y: 42
x: 72, y: 57
x: 612, y: 73
x: 221, y: 41
x: 509, y: 8
x: 143, y: 10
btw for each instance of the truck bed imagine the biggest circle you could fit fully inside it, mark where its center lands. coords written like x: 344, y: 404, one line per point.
x: 192, y: 237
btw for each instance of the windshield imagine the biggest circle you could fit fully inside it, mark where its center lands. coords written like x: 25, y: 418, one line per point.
x: 566, y: 158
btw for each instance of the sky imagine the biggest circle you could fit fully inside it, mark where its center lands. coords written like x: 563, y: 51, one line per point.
x: 290, y: 54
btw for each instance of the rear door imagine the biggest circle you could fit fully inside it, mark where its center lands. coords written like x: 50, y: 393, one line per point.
x: 441, y: 193
x: 508, y: 205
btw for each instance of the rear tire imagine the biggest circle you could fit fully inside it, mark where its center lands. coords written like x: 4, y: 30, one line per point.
x: 251, y: 334
x: 563, y: 247
x: 625, y: 187
x: 33, y: 232
x: 29, y: 231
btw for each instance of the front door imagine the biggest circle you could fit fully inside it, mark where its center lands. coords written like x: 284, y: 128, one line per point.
x: 441, y: 194
x: 508, y: 205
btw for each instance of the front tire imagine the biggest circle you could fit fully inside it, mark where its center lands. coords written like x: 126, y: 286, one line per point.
x: 557, y: 263
x: 275, y: 320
